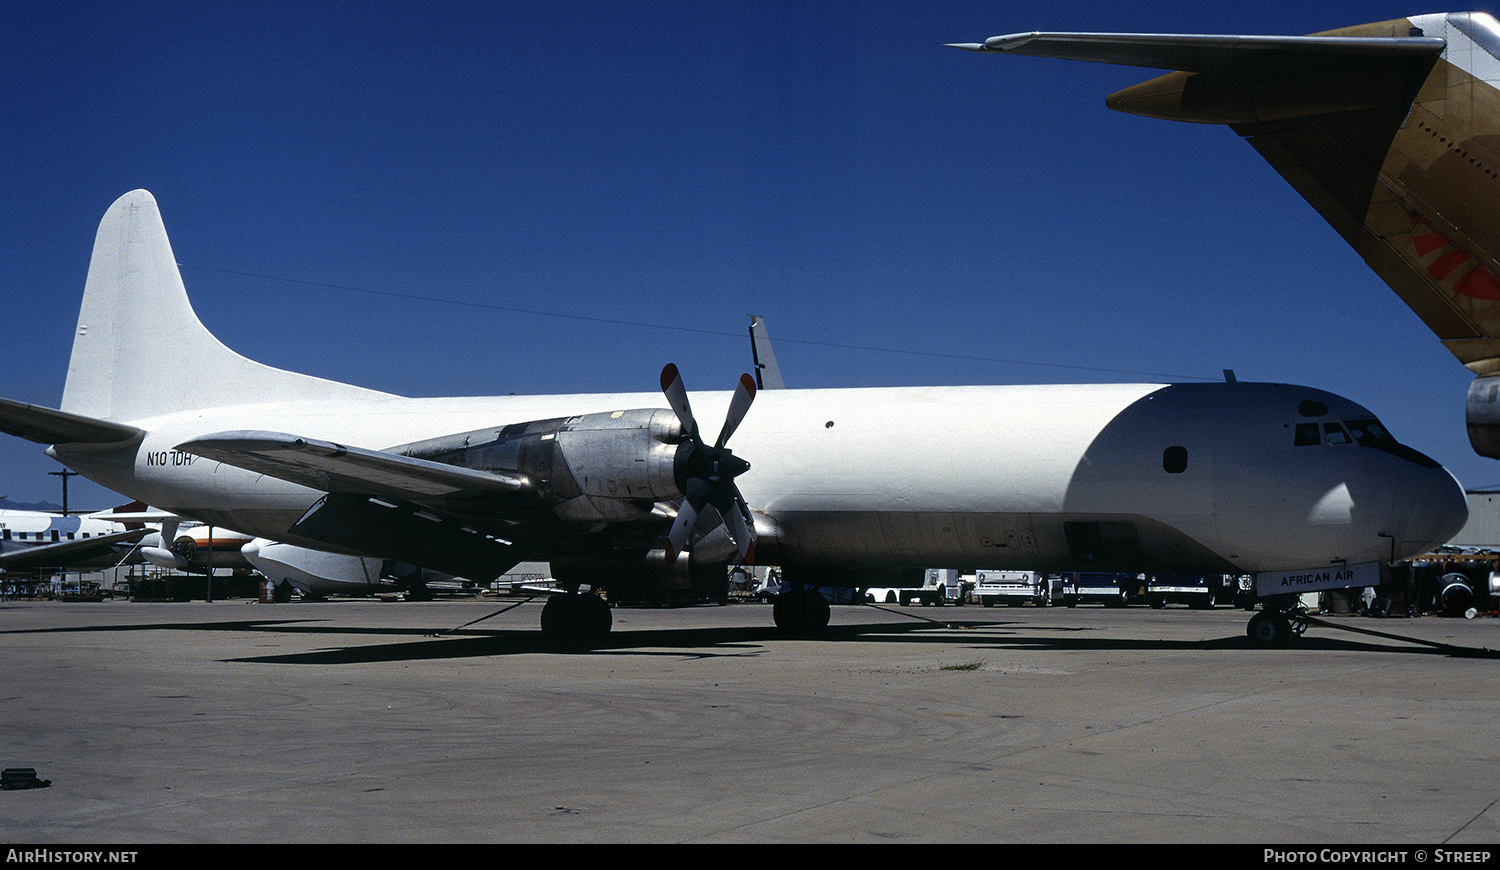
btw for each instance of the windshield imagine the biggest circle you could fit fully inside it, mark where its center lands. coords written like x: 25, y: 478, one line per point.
x: 1369, y: 433
x: 1363, y: 431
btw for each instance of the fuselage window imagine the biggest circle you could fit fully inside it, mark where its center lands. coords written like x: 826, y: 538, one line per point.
x: 1333, y: 433
x: 1307, y: 435
x: 1174, y: 460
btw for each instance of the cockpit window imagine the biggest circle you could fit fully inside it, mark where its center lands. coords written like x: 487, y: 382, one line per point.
x: 1333, y: 433
x: 1369, y: 433
x: 1364, y: 432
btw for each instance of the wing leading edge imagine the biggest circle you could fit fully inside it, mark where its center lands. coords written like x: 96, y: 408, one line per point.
x: 330, y: 467
x: 1226, y: 55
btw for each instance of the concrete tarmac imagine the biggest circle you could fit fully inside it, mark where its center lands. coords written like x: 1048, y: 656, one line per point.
x: 377, y: 722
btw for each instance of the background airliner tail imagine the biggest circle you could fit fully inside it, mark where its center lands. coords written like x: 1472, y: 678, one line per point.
x: 140, y: 350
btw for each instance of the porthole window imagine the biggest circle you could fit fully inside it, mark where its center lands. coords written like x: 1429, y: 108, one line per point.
x: 1174, y: 460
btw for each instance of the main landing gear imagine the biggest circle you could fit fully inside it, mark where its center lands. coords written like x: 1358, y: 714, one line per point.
x: 576, y: 620
x: 800, y: 613
x: 1278, y: 622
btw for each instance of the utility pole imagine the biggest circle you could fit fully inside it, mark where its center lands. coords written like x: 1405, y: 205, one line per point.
x: 64, y: 474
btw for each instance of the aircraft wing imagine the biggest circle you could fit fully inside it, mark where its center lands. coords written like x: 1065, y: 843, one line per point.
x: 68, y: 553
x: 1227, y: 55
x: 384, y: 504
x: 331, y: 467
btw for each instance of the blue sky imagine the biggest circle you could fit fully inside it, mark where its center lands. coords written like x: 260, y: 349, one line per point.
x: 477, y: 198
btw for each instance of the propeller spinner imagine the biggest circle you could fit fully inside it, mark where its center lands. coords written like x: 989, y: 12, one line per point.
x: 707, y: 476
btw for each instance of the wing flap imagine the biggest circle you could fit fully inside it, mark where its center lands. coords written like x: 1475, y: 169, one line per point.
x: 330, y: 467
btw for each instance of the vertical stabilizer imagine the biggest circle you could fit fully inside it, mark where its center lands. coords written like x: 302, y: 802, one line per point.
x: 140, y: 350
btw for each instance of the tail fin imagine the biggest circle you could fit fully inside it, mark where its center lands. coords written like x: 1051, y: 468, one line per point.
x: 141, y: 351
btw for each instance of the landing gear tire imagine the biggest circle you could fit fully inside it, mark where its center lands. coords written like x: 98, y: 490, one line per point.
x: 801, y: 613
x: 1268, y: 629
x: 576, y: 620
x: 1275, y: 628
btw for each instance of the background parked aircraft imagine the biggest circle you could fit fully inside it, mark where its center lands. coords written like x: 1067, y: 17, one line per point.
x: 37, y: 539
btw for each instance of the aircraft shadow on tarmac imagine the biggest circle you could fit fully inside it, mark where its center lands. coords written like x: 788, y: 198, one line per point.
x: 709, y: 642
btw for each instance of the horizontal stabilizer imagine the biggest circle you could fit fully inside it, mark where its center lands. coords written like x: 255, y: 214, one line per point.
x: 46, y: 426
x: 330, y: 467
x: 1229, y: 55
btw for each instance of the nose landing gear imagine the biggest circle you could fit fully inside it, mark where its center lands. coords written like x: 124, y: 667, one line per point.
x: 1277, y: 624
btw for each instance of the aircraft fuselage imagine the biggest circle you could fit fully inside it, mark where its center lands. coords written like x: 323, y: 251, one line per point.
x: 1186, y: 477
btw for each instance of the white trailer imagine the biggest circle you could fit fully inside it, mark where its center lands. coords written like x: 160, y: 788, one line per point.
x: 939, y: 586
x: 1015, y: 588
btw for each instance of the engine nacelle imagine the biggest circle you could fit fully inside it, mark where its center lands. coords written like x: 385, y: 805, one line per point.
x: 313, y: 572
x: 1455, y: 593
x: 591, y: 468
x: 1483, y: 415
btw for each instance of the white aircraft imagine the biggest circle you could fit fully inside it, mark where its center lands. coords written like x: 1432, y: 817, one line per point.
x: 196, y: 548
x: 850, y: 486
x: 30, y: 540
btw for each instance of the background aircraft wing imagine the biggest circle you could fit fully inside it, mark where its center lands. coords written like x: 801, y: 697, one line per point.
x: 67, y: 553
x: 1230, y: 55
x: 331, y: 467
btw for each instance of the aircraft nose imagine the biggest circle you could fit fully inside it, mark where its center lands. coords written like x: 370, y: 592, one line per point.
x: 1439, y: 510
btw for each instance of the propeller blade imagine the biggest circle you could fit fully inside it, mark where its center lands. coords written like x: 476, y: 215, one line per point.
x: 677, y: 397
x: 744, y: 394
x: 710, y: 471
x: 742, y: 529
x: 698, y: 493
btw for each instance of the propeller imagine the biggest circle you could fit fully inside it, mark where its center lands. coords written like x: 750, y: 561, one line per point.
x: 707, y: 476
